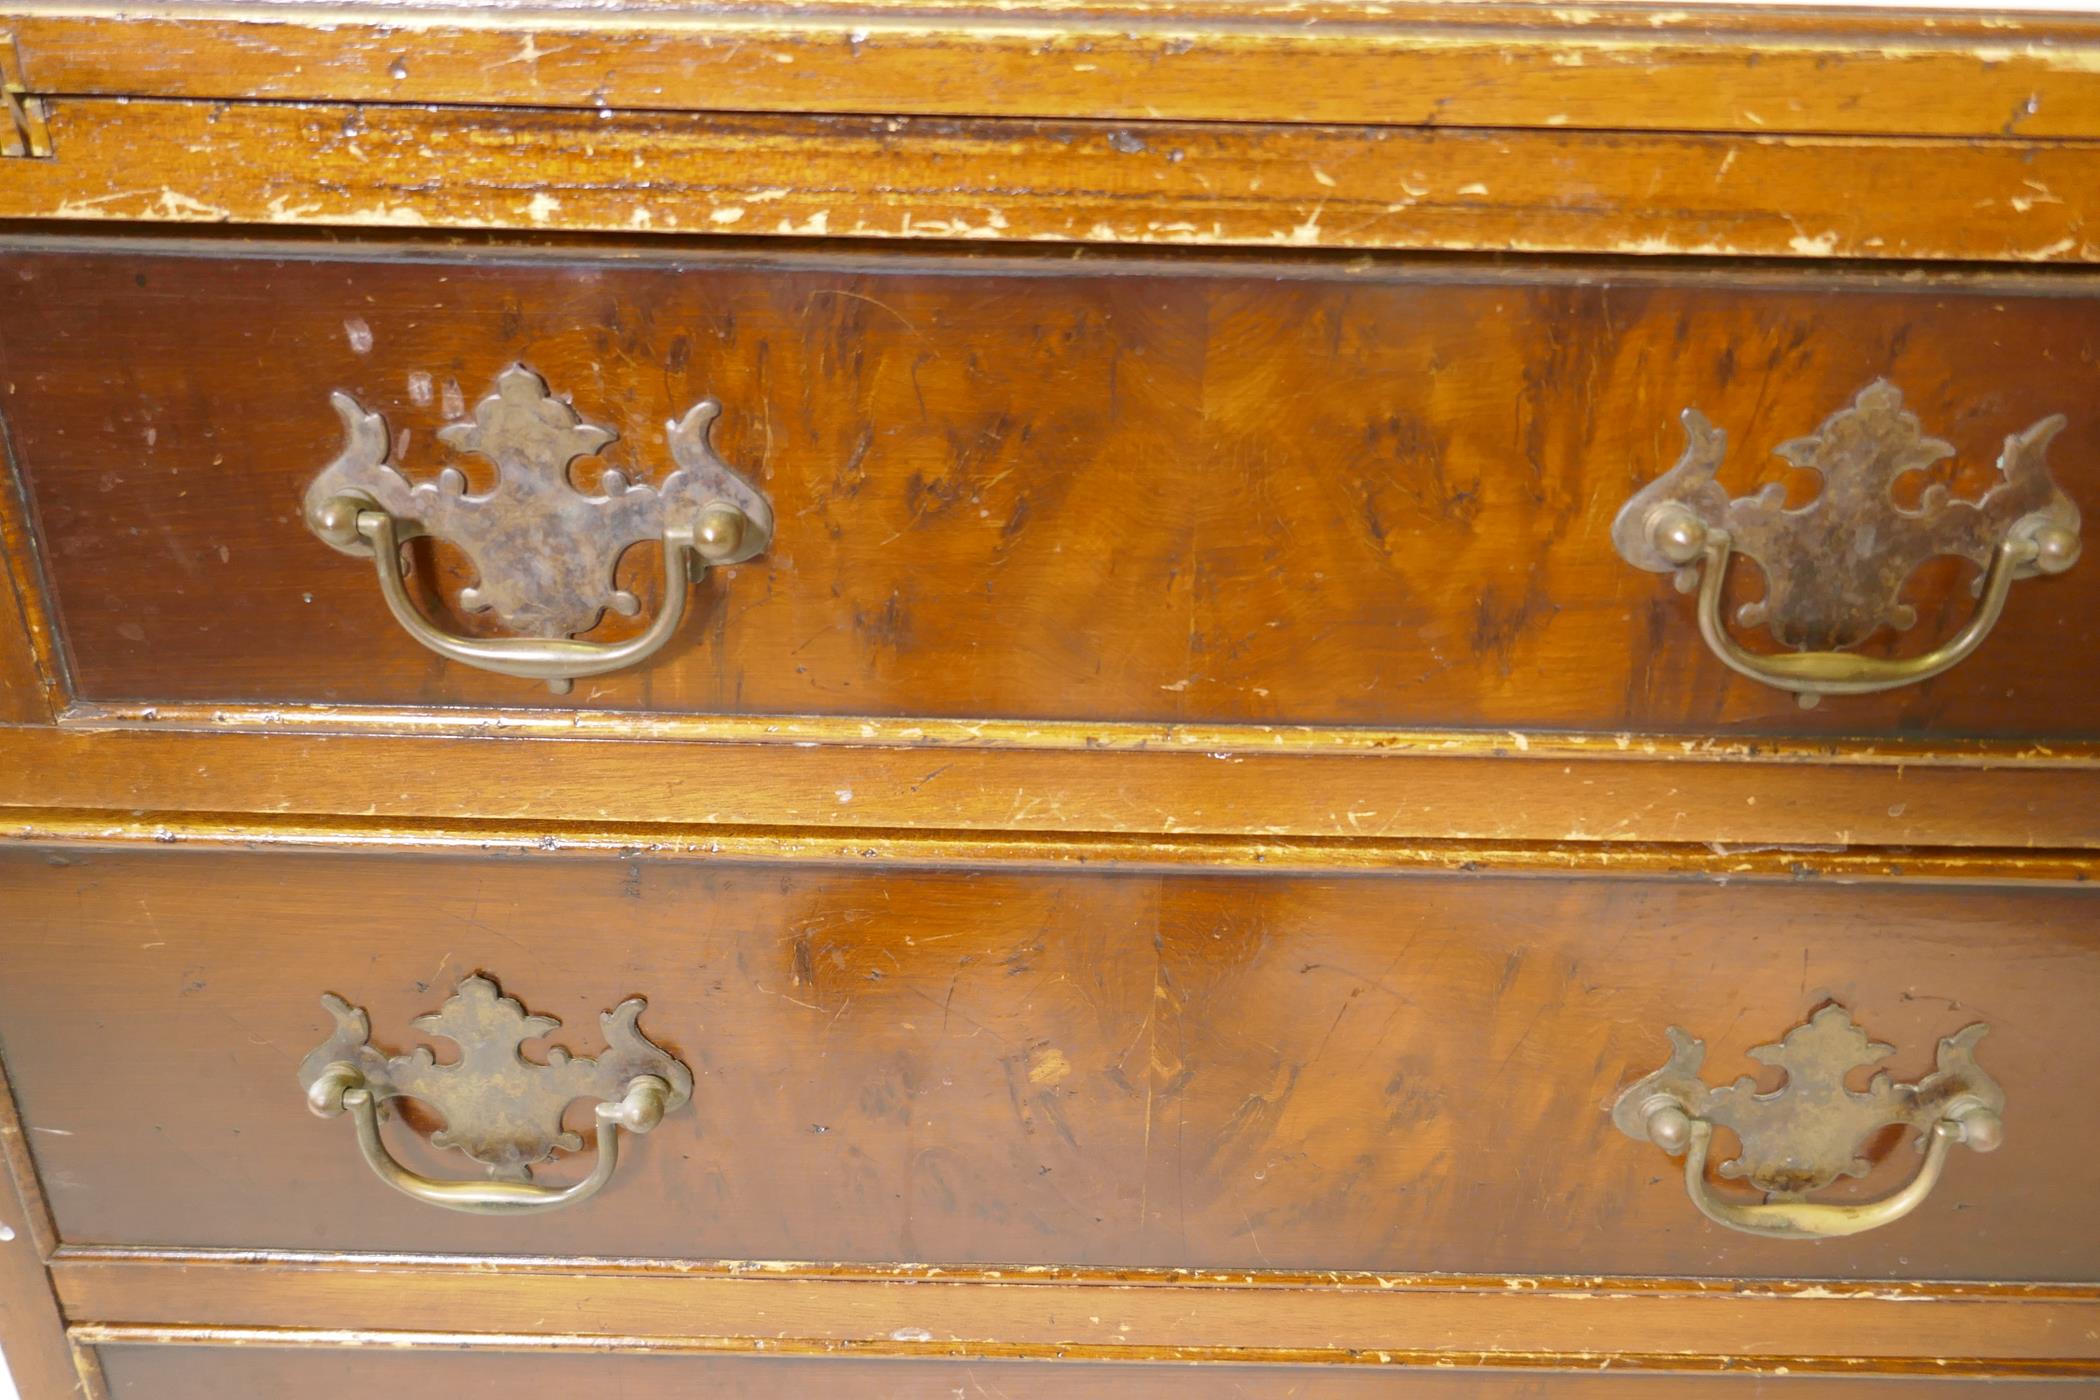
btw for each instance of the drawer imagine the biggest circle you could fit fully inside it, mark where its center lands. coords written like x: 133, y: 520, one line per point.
x: 966, y: 1066
x: 1251, y: 491
x: 163, y: 1372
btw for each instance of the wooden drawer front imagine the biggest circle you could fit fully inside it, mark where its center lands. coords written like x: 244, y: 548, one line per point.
x: 164, y: 1372
x: 1234, y: 492
x: 1397, y: 1073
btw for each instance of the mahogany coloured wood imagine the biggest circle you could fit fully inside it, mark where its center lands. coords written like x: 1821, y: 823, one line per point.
x: 1387, y: 1073
x: 1284, y: 493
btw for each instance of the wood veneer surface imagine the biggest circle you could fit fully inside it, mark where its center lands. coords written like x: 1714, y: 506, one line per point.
x: 1261, y: 493
x: 1379, y: 1073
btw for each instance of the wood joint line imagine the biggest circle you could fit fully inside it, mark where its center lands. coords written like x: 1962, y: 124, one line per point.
x: 27, y: 132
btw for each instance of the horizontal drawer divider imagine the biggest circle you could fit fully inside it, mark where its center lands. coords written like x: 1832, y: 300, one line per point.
x: 1042, y: 1275
x: 1087, y: 183
x: 854, y: 731
x: 1044, y: 850
x: 135, y: 1334
x: 1710, y: 67
x: 1150, y: 792
x: 198, y: 1297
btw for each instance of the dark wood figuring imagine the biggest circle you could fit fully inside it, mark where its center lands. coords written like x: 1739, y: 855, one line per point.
x: 200, y: 1373
x: 1162, y: 870
x: 1269, y: 493
x: 1397, y: 1073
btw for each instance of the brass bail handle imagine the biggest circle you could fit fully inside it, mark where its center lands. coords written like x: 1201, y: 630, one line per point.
x: 500, y: 1108
x: 1834, y: 569
x: 343, y: 1089
x: 2033, y: 545
x: 1675, y: 1131
x: 544, y: 551
x: 559, y: 661
x: 1806, y: 1134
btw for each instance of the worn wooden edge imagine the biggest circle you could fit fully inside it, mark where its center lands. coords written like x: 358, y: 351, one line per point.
x: 920, y: 1311
x: 33, y: 686
x: 247, y: 1261
x: 39, y: 1355
x: 700, y: 251
x: 1733, y: 69
x: 876, y: 731
x: 1717, y: 862
x: 1072, y: 183
x: 1022, y: 791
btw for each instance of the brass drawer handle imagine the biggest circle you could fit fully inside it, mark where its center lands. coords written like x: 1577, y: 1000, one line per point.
x: 1806, y: 1134
x: 1834, y: 568
x: 500, y: 1108
x: 545, y: 552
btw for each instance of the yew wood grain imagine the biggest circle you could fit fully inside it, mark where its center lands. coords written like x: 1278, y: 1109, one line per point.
x: 1072, y: 182
x: 1386, y: 1073
x: 1721, y: 68
x: 165, y: 1372
x: 1288, y: 493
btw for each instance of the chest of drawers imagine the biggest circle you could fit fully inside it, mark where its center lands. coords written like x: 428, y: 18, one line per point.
x: 959, y: 700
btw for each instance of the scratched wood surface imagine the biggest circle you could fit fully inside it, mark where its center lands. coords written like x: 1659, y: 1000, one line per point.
x: 1732, y: 68
x: 922, y: 1312
x: 146, y: 1372
x: 1581, y: 807
x: 1023, y: 182
x: 1384, y: 1073
x: 1288, y: 493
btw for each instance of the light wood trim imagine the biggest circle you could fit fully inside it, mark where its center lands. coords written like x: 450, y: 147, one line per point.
x: 1739, y: 69
x: 926, y: 1312
x: 1391, y: 797
x: 1078, y: 183
x: 1049, y: 850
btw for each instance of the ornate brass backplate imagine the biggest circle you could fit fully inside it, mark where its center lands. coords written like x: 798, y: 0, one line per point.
x: 1808, y: 1132
x: 500, y: 1108
x: 1835, y: 568
x: 544, y: 552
